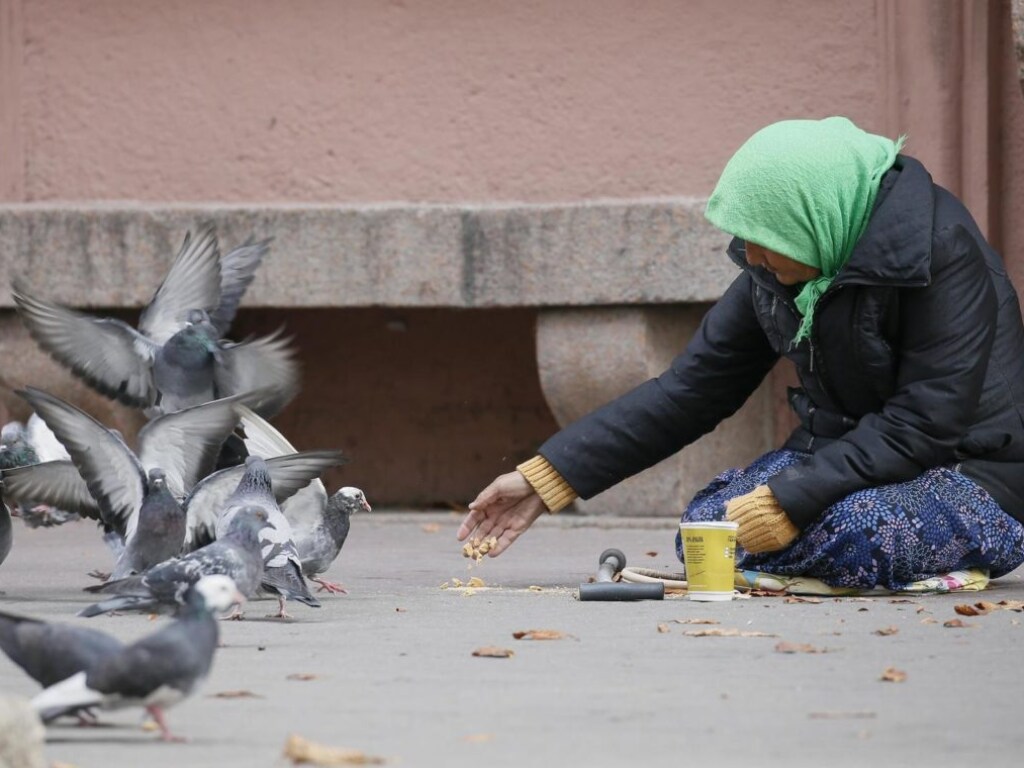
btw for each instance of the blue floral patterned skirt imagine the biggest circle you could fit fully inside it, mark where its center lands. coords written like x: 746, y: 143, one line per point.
x: 888, y: 536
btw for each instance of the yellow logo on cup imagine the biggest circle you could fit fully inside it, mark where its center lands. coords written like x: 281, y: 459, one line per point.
x: 709, y: 552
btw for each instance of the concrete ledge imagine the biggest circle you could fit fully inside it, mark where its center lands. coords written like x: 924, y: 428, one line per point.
x: 611, y: 252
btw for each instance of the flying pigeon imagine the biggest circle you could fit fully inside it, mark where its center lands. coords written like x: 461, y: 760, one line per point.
x: 320, y: 523
x: 178, y: 357
x: 163, y: 588
x: 155, y: 672
x: 134, y: 495
x: 282, y: 569
x: 26, y: 444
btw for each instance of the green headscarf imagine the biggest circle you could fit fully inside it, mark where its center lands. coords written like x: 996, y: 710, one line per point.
x: 805, y: 189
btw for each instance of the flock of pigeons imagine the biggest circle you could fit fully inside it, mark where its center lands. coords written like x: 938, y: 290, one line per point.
x: 213, y: 505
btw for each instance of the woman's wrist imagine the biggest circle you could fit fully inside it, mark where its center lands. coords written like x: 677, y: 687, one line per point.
x: 552, y: 488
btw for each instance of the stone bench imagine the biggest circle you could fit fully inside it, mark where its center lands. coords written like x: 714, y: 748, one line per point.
x: 619, y: 286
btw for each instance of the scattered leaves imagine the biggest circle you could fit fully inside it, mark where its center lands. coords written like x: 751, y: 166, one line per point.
x: 724, y: 633
x: 798, y: 599
x: 766, y: 593
x: 929, y: 620
x: 476, y: 581
x: 956, y: 624
x: 663, y: 628
x: 886, y: 631
x: 302, y: 751
x: 984, y: 606
x: 239, y: 694
x: 651, y: 553
x: 493, y: 652
x: 535, y: 588
x: 478, y: 738
x: 861, y: 610
x: 539, y: 634
x: 303, y: 676
x: 785, y: 647
x: 430, y: 527
x: 893, y: 675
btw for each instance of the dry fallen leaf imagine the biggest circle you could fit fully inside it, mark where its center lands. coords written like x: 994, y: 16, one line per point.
x: 861, y: 609
x: 149, y: 725
x: 968, y: 610
x: 798, y: 648
x: 1011, y: 605
x: 798, y: 599
x: 478, y: 738
x: 430, y: 527
x: 956, y: 624
x: 886, y: 631
x: 493, y: 652
x: 241, y: 694
x: 766, y: 593
x: 535, y: 588
x: 652, y: 553
x: 696, y: 621
x: 302, y: 751
x: 724, y: 633
x: 929, y: 620
x: 300, y: 676
x: 476, y: 581
x: 538, y: 634
x: 663, y: 628
x: 893, y: 675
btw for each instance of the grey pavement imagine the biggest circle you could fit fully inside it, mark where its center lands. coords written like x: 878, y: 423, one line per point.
x: 392, y: 671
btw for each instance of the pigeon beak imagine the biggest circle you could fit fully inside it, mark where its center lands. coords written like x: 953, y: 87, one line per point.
x: 366, y: 505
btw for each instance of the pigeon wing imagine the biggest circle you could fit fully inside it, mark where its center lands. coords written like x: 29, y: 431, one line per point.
x: 266, y: 364
x: 111, y: 471
x: 56, y: 483
x: 108, y: 354
x: 237, y: 270
x: 305, y: 508
x: 185, y: 444
x: 193, y: 282
x: 43, y: 441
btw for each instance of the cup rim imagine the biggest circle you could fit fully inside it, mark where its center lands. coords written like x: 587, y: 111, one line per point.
x: 711, y: 524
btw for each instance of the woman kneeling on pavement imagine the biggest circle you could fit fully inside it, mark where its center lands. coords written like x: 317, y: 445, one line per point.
x: 907, y: 339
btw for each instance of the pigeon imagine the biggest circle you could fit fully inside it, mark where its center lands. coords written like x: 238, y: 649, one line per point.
x: 163, y: 588
x: 23, y: 445
x: 155, y: 672
x: 134, y: 495
x: 282, y: 570
x: 178, y: 357
x: 320, y: 523
x: 50, y: 653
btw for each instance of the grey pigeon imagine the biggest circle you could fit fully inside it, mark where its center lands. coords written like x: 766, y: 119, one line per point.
x: 155, y: 672
x: 50, y: 653
x: 162, y: 589
x: 282, y: 569
x: 178, y: 356
x: 133, y: 495
x: 24, y: 445
x: 320, y: 523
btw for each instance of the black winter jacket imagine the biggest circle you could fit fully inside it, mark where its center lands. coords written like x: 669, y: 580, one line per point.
x: 916, y: 360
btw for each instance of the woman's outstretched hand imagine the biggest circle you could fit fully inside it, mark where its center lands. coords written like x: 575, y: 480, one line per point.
x: 504, y: 509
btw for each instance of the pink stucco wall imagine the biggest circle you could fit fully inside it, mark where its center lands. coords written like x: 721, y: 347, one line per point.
x: 447, y: 100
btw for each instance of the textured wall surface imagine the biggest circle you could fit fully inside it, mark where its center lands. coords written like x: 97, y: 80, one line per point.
x: 255, y: 100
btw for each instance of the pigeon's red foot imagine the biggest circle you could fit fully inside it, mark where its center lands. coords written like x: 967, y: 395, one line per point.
x: 329, y: 586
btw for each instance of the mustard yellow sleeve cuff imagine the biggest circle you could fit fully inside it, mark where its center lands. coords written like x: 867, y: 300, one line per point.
x: 552, y: 488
